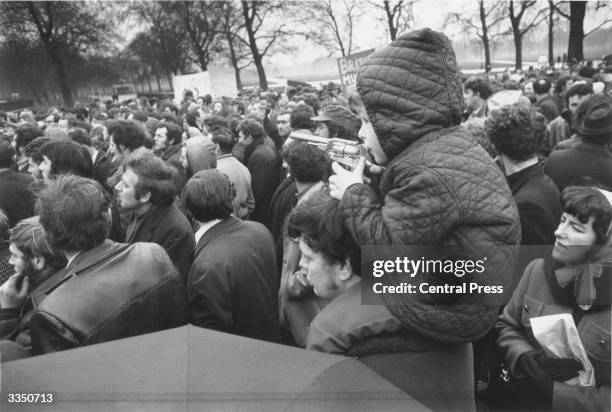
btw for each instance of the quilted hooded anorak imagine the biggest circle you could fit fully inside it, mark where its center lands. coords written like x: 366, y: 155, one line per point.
x: 440, y: 186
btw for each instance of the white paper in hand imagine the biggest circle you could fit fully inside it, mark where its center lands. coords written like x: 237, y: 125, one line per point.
x: 558, y: 336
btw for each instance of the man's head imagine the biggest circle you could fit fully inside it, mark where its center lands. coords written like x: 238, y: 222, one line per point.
x: 34, y: 155
x: 330, y: 257
x: 541, y: 87
x: 475, y: 92
x: 594, y: 120
x: 146, y: 180
x: 30, y: 251
x: 576, y: 95
x: 24, y: 134
x: 301, y: 117
x: 307, y: 164
x: 250, y: 130
x: 80, y: 136
x: 65, y: 158
x: 283, y: 123
x: 208, y: 195
x: 224, y: 140
x: 259, y: 109
x: 167, y: 134
x: 126, y: 136
x: 212, y: 122
x: 516, y: 132
x: 74, y: 213
x: 337, y: 121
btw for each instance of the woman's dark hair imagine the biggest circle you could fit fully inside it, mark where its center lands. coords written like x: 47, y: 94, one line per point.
x: 68, y: 158
x: 74, y: 213
x: 154, y: 176
x: 208, y: 195
x: 584, y: 202
x: 516, y: 131
x: 191, y: 118
x: 320, y: 222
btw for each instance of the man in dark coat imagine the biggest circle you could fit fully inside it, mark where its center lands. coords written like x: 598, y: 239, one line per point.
x: 440, y: 187
x: 232, y: 282
x: 515, y: 132
x: 148, y: 189
x: 264, y: 162
x: 588, y: 160
x: 107, y: 290
x: 168, y: 142
x: 16, y: 197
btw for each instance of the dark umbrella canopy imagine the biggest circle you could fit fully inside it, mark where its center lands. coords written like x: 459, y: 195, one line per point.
x: 194, y: 369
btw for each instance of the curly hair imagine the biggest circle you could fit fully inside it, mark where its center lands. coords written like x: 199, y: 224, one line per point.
x: 585, y: 202
x: 516, y: 131
x: 25, y: 133
x: 74, y: 213
x: 252, y: 128
x: 308, y: 164
x: 320, y: 223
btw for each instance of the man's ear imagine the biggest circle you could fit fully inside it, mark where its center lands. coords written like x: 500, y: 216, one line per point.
x: 146, y: 196
x: 38, y: 262
x: 346, y: 270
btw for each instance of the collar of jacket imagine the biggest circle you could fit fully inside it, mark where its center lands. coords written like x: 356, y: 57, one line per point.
x: 216, y: 231
x: 170, y: 151
x: 152, y: 217
x: 518, y: 179
x: 565, y: 295
x: 81, y: 262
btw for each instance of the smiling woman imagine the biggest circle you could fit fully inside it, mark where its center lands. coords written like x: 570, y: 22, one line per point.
x: 574, y: 278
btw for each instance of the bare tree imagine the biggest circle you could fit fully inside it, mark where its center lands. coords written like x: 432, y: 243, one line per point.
x: 333, y: 23
x: 489, y: 17
x: 259, y: 40
x: 202, y: 21
x: 232, y: 23
x: 165, y: 36
x: 577, y: 12
x: 398, y: 16
x: 62, y: 28
x: 520, y: 27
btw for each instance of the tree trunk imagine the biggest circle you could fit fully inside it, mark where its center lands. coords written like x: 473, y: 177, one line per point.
x: 169, y: 76
x: 263, y: 81
x: 551, y: 26
x: 518, y: 51
x: 576, y: 34
x: 58, y: 64
x: 257, y: 57
x: 149, y: 82
x: 485, y: 37
x: 392, y: 28
x: 234, y: 60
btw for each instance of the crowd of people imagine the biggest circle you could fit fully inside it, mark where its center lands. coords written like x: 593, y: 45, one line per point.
x: 123, y: 219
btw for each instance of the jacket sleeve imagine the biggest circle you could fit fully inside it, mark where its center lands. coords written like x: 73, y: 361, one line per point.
x: 581, y: 398
x: 9, y: 323
x: 209, y: 292
x: 49, y: 334
x: 419, y: 210
x: 512, y: 339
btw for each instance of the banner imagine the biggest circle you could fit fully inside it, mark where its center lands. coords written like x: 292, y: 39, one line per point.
x: 216, y: 81
x: 349, y: 66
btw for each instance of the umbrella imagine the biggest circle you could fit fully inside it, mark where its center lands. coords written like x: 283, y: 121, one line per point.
x: 193, y: 369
